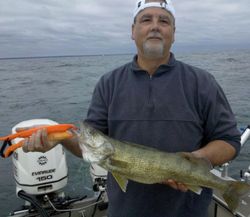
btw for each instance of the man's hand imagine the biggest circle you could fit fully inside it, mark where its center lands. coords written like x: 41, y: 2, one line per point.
x: 38, y: 141
x: 176, y: 185
x: 41, y: 141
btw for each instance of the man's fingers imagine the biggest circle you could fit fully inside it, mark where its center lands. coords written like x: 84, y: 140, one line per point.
x: 28, y: 144
x: 38, y: 142
x: 182, y: 187
x: 176, y: 185
x: 25, y: 145
x: 44, y: 137
x: 46, y: 144
x: 172, y: 184
x: 33, y: 143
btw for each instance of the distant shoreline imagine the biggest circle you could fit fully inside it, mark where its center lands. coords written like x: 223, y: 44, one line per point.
x: 83, y: 55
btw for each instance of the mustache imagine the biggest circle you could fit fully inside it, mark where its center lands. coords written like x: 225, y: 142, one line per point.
x: 154, y: 35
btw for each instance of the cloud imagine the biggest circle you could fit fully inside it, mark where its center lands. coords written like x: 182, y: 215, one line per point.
x: 73, y: 27
x: 214, y: 22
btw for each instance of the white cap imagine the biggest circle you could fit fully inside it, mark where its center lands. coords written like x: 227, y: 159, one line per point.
x: 141, y: 5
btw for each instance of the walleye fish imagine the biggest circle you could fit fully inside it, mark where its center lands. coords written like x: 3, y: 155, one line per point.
x: 129, y: 161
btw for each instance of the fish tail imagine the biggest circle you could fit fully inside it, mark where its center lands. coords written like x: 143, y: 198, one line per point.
x: 234, y: 192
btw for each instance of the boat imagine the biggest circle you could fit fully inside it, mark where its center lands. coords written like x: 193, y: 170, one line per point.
x: 43, y: 195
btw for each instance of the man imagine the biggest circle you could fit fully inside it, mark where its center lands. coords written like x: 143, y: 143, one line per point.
x: 160, y: 102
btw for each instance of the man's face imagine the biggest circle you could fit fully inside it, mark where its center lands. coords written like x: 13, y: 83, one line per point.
x: 153, y: 32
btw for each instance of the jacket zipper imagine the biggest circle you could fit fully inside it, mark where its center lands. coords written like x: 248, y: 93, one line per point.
x: 150, y: 94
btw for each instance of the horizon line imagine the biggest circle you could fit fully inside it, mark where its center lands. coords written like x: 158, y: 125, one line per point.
x: 56, y: 56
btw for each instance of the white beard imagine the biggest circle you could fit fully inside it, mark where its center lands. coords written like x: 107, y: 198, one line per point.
x: 153, y: 50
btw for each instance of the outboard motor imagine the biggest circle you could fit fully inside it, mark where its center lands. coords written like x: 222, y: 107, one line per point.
x: 39, y: 173
x: 40, y: 178
x: 99, y: 177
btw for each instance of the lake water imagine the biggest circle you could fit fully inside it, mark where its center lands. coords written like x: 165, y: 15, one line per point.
x: 60, y: 89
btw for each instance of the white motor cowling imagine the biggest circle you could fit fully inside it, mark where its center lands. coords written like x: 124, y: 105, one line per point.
x: 39, y: 173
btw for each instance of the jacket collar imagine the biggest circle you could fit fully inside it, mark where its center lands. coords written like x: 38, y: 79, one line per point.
x: 162, y: 68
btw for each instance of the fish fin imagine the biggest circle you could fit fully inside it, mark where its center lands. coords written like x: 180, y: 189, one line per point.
x: 234, y: 192
x: 118, y: 163
x: 197, y: 160
x: 195, y: 189
x: 122, y: 181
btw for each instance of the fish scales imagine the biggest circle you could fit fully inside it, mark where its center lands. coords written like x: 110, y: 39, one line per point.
x: 143, y: 163
x: 135, y: 167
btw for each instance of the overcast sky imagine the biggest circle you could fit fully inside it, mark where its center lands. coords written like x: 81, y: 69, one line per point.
x: 79, y: 27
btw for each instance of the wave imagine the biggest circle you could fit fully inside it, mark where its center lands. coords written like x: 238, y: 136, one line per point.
x: 231, y: 59
x: 65, y: 65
